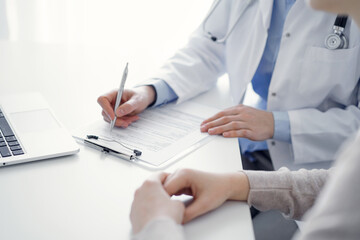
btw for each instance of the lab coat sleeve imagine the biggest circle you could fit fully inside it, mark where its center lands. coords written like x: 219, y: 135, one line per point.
x: 195, y: 68
x: 316, y: 136
x: 164, y: 93
x: 162, y: 228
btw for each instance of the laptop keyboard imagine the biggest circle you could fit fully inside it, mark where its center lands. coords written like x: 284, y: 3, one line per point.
x: 9, y: 146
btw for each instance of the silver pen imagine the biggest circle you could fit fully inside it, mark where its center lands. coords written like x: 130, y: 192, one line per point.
x: 118, y: 98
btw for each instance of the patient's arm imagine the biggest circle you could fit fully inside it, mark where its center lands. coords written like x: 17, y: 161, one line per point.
x: 291, y: 192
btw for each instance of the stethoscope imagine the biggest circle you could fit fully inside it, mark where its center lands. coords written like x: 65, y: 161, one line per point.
x: 333, y: 41
x: 337, y: 39
x: 223, y: 39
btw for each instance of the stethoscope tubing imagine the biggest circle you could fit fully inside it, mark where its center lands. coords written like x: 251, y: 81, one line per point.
x: 223, y: 40
x: 338, y: 28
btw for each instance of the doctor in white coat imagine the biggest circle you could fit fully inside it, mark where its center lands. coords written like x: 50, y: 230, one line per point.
x: 311, y: 101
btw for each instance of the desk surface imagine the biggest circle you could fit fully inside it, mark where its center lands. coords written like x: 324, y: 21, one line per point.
x: 88, y: 195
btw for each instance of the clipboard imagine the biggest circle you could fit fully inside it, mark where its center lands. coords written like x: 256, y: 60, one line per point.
x: 163, y: 135
x: 138, y: 159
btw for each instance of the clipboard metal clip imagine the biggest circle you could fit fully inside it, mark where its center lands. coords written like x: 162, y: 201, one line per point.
x: 107, y: 150
x: 135, y: 151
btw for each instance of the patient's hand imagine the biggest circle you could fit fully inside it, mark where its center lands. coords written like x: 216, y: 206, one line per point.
x: 152, y: 201
x: 209, y: 190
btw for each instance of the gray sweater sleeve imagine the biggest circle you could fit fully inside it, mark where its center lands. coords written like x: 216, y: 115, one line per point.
x: 291, y: 192
x: 336, y: 214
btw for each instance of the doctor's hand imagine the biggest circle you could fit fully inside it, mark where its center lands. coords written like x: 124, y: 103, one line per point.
x: 151, y: 201
x: 133, y: 102
x: 241, y: 121
x: 209, y: 190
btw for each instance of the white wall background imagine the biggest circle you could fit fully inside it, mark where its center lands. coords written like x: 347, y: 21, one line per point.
x: 102, y: 21
x: 137, y: 24
x: 143, y: 32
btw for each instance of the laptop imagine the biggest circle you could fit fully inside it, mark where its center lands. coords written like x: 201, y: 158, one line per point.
x: 29, y: 130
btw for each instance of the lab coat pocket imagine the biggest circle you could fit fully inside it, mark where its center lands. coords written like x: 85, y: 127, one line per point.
x: 329, y: 73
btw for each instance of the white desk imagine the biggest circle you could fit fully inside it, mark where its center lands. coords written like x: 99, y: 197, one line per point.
x: 88, y: 195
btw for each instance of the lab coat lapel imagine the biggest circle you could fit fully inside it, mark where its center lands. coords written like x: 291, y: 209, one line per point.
x: 266, y: 7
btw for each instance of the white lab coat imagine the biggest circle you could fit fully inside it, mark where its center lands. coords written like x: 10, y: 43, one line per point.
x: 318, y: 87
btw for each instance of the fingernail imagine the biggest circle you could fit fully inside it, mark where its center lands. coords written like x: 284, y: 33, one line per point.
x: 211, y: 130
x: 120, y: 112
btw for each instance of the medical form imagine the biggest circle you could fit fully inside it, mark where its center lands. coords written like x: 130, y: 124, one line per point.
x: 163, y: 134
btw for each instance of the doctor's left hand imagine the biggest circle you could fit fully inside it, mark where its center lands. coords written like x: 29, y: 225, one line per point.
x: 241, y: 121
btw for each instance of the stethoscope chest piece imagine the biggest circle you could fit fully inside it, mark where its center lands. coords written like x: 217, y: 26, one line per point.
x: 337, y: 39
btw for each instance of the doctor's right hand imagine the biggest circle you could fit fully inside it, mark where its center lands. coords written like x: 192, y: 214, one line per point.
x: 133, y: 102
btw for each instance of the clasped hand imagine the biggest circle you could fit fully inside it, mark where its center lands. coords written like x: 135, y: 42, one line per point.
x: 209, y: 191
